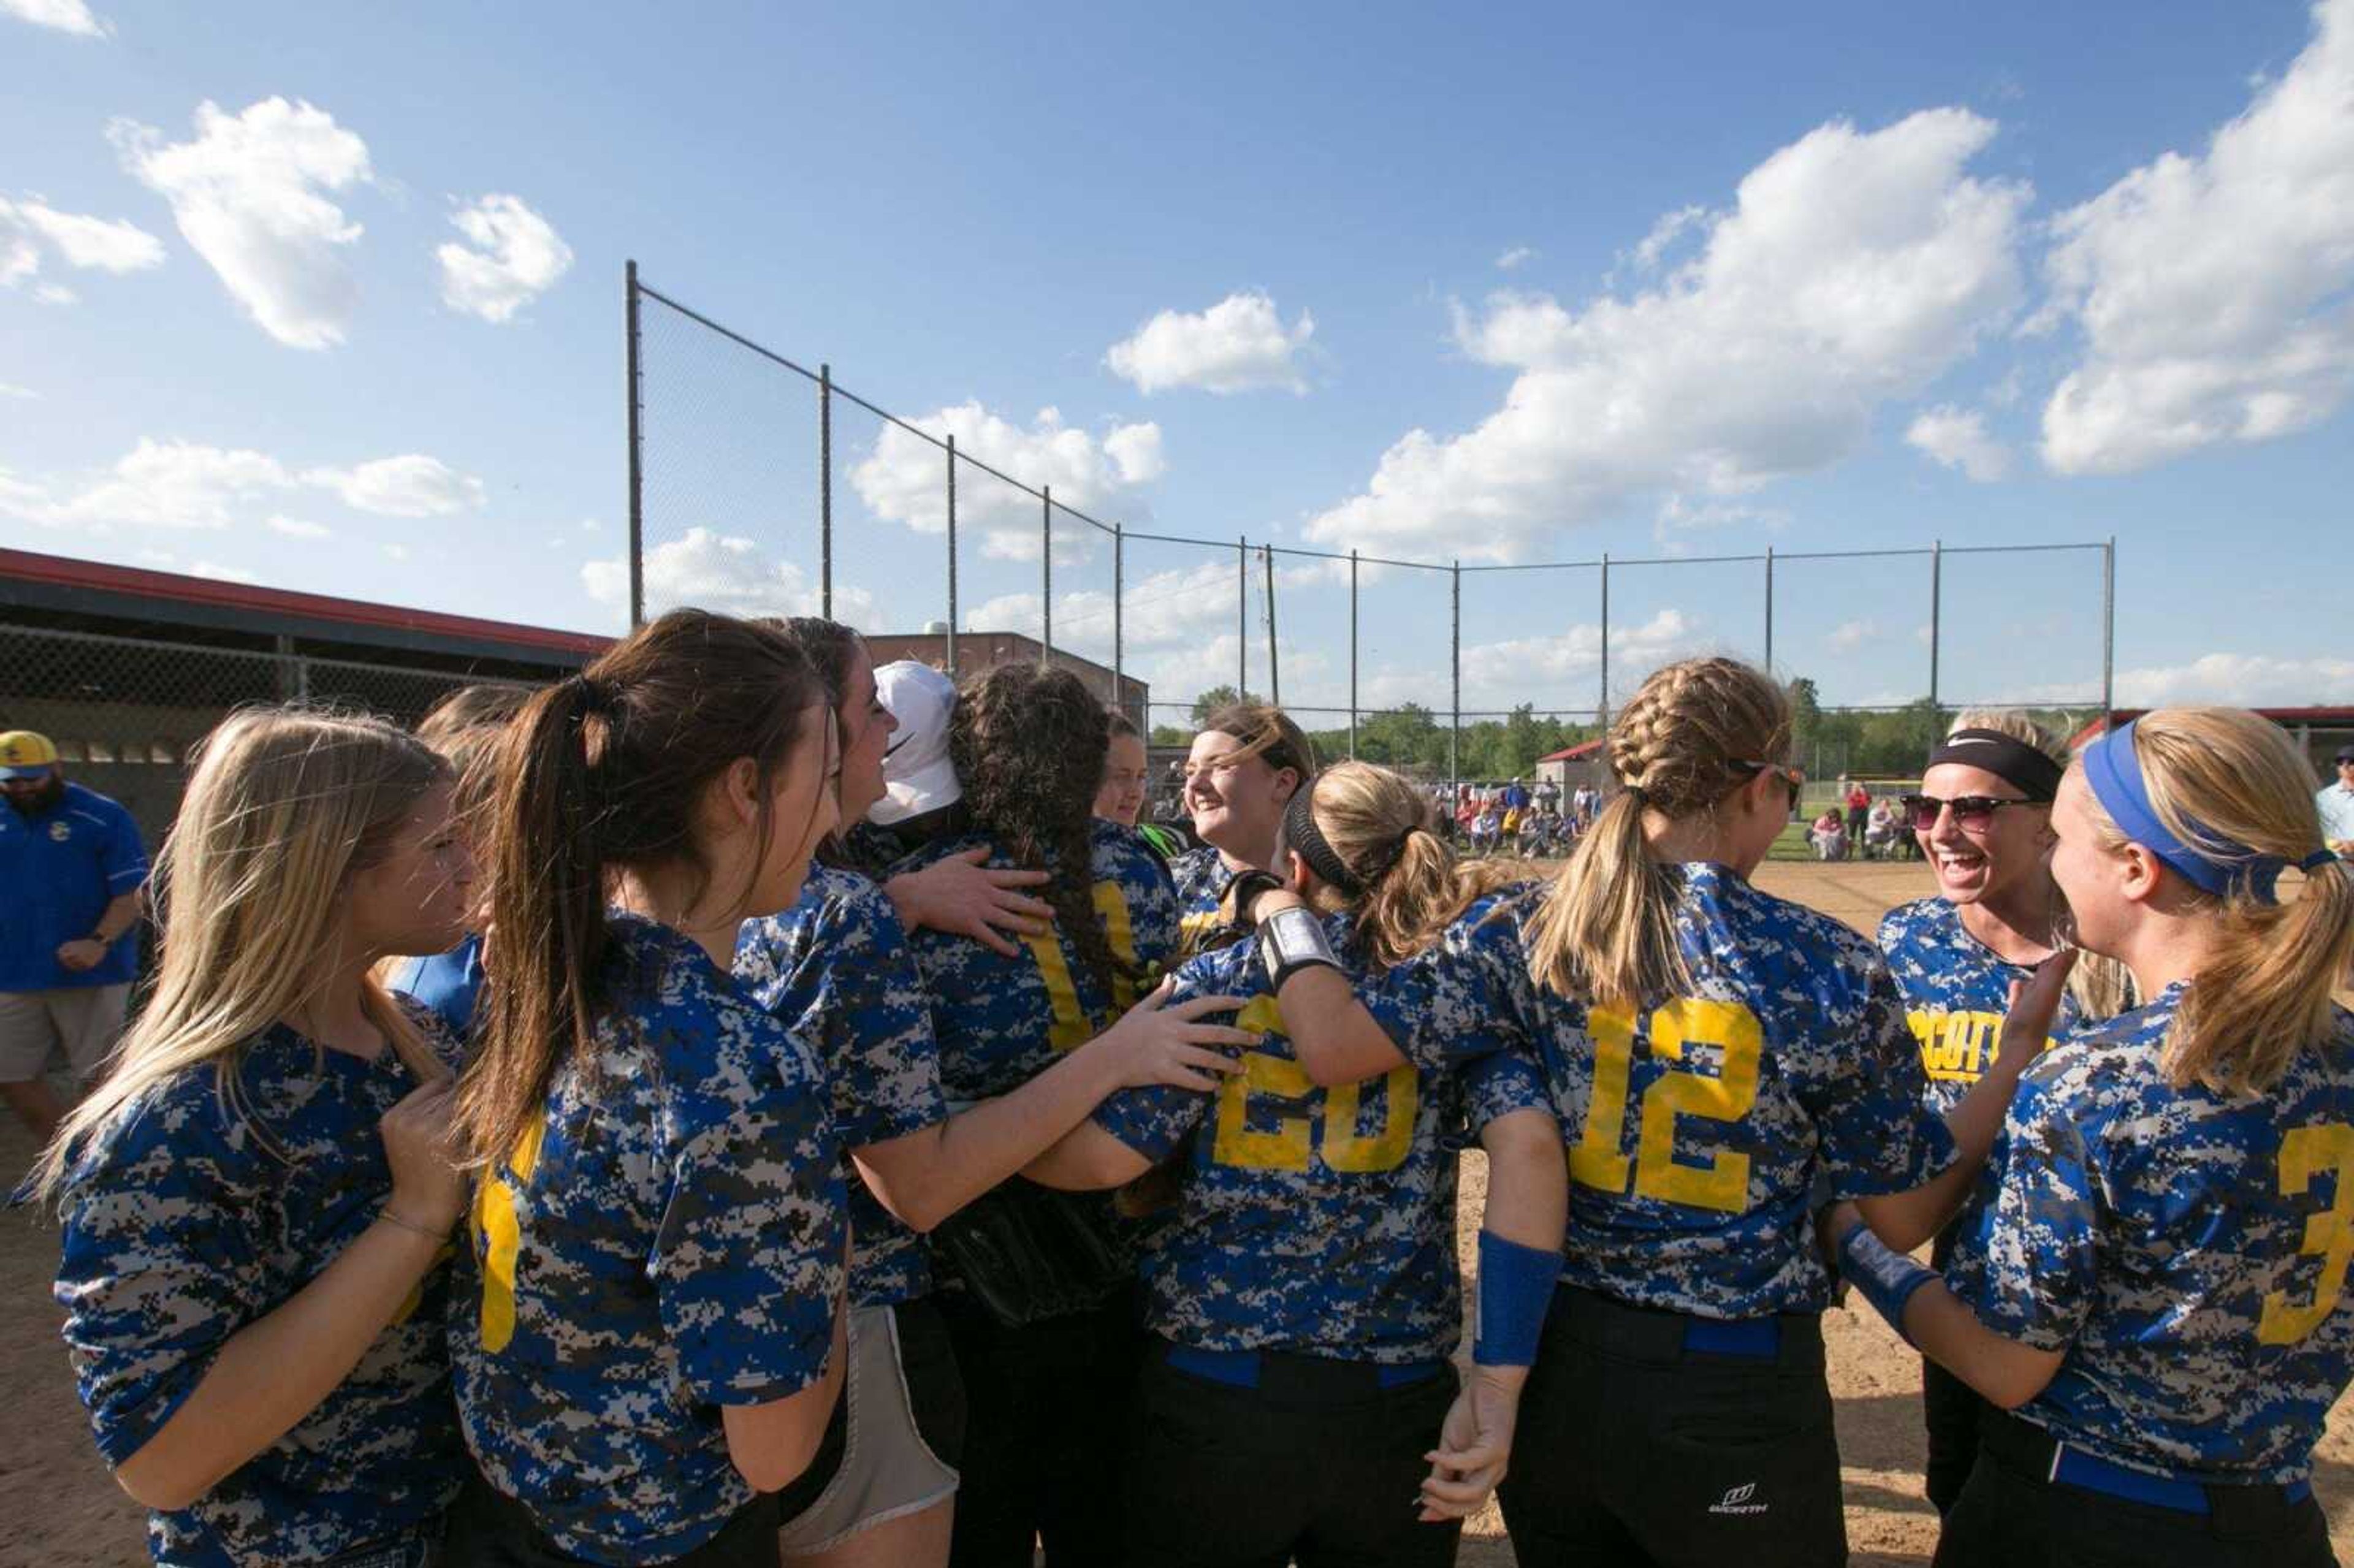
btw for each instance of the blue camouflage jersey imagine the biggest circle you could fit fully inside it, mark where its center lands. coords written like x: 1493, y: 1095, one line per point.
x: 187, y: 1218
x: 1698, y: 1128
x: 667, y: 1241
x: 1003, y: 1021
x: 2186, y: 1249
x: 1956, y: 992
x: 836, y: 970
x: 1201, y: 877
x: 1321, y: 1221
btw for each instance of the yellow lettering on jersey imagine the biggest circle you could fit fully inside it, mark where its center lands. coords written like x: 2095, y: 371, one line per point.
x: 1193, y: 931
x: 494, y: 1218
x: 2306, y: 1153
x: 1072, y: 1028
x: 1346, y: 1149
x: 1956, y: 1047
x: 1285, y: 1149
x: 1739, y: 1041
x: 1597, y: 1162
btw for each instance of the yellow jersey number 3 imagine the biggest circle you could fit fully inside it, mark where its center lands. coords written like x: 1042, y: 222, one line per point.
x: 1726, y: 1031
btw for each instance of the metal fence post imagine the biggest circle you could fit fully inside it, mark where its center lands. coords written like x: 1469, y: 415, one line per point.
x: 1937, y: 610
x: 1119, y: 573
x: 2109, y: 634
x: 1455, y: 679
x: 1352, y: 655
x: 1242, y: 619
x: 952, y: 583
x: 825, y: 491
x: 637, y: 462
x: 1602, y: 714
x: 1046, y: 576
x: 1274, y: 663
x: 1769, y: 610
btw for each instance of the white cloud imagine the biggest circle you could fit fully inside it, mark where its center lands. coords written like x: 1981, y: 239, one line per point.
x: 1561, y: 671
x: 2241, y: 680
x: 188, y: 484
x: 101, y: 244
x: 1653, y: 247
x: 1850, y: 635
x: 1238, y: 344
x: 250, y: 193
x: 512, y: 257
x: 1518, y: 256
x: 1958, y: 438
x: 223, y: 574
x: 296, y: 529
x: 1853, y: 269
x: 9, y: 390
x: 904, y: 478
x: 411, y: 485
x: 2213, y: 291
x: 711, y: 570
x: 73, y: 16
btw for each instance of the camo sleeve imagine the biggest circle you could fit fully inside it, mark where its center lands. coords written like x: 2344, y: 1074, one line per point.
x: 2031, y: 1271
x: 1865, y: 1096
x: 161, y: 1265
x: 748, y: 1263
x: 1501, y: 1083
x: 1154, y: 1118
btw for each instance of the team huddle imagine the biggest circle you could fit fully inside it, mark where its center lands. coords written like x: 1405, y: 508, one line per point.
x: 740, y: 1106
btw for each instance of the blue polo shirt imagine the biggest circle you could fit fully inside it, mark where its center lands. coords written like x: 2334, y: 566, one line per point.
x: 61, y: 868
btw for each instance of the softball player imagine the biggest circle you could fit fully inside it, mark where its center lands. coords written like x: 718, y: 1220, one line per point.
x: 648, y: 1338
x: 1046, y: 1344
x: 1121, y: 797
x: 837, y: 969
x: 258, y: 1201
x: 1303, y: 1297
x: 465, y: 728
x: 1244, y: 766
x: 2153, y: 1286
x: 1983, y: 818
x: 1714, y: 1054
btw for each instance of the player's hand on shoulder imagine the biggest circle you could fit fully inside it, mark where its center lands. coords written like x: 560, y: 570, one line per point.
x: 1157, y: 1043
x: 957, y: 896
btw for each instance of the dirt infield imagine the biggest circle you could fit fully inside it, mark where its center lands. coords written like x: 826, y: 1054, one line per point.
x: 61, y: 1511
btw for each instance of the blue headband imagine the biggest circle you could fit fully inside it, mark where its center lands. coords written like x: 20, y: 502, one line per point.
x: 2114, y: 770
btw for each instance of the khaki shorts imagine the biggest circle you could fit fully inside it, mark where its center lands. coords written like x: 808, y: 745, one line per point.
x: 83, y: 1021
x: 889, y: 1467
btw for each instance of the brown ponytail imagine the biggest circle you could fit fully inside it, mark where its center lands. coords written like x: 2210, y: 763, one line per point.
x: 603, y: 772
x: 1607, y: 934
x: 2264, y: 993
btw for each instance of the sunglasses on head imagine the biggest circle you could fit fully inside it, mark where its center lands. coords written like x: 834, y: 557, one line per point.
x: 1971, y: 813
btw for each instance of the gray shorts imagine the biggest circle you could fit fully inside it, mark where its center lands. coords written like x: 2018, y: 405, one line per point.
x: 889, y: 1469
x: 83, y: 1022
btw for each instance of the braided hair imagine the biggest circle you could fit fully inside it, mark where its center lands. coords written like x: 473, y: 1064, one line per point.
x: 1028, y: 746
x: 1607, y: 933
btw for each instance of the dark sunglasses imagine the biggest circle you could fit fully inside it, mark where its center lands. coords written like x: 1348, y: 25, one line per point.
x: 1971, y: 813
x: 1793, y: 779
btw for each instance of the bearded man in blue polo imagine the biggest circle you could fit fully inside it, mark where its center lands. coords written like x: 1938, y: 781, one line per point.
x: 76, y: 875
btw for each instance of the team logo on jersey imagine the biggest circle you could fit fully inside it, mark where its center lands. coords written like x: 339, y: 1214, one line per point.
x: 59, y: 832
x: 1737, y: 1501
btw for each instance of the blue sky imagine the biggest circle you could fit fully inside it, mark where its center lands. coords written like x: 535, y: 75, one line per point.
x: 1516, y: 285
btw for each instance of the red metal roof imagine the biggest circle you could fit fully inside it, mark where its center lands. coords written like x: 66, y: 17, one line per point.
x: 2333, y: 715
x: 60, y: 571
x: 1572, y: 753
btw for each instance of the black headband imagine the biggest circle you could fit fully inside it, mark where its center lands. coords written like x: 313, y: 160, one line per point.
x: 1302, y: 836
x: 2024, y: 767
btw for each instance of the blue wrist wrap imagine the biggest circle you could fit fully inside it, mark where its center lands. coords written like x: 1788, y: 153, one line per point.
x: 1515, y: 1290
x: 1886, y: 1276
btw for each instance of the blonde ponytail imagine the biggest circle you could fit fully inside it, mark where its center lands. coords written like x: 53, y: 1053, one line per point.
x: 1382, y: 830
x: 2225, y: 777
x: 1607, y: 934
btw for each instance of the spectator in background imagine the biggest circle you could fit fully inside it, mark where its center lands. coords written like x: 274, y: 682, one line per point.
x: 1828, y: 835
x: 1516, y: 795
x: 1485, y: 828
x: 2336, y: 804
x: 1884, y: 831
x: 1859, y: 811
x: 1548, y: 793
x: 74, y: 875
